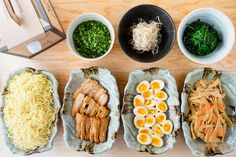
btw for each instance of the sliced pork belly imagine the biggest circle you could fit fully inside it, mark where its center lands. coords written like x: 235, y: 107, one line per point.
x: 77, y: 104
x: 103, y: 99
x: 79, y: 89
x: 103, y: 129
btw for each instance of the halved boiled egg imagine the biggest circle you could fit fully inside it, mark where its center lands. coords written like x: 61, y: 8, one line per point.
x: 157, y: 130
x: 138, y: 100
x: 149, y: 103
x: 160, y: 117
x: 152, y: 111
x: 167, y: 126
x: 161, y: 106
x: 157, y: 141
x: 148, y: 94
x: 146, y: 131
x: 161, y: 95
x: 139, y: 122
x: 140, y: 111
x: 143, y: 86
x: 144, y: 139
x: 150, y: 121
x: 157, y: 85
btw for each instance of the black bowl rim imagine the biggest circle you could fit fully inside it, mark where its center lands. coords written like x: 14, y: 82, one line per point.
x: 172, y: 22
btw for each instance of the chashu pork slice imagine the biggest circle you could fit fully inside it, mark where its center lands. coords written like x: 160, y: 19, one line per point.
x: 87, y: 128
x: 92, y: 128
x: 78, y: 120
x: 93, y: 83
x: 81, y: 87
x: 99, y: 93
x: 95, y: 110
x: 82, y: 126
x: 103, y: 112
x: 90, y: 107
x: 97, y: 130
x: 85, y: 104
x: 77, y: 104
x: 94, y: 91
x: 103, y: 129
x: 103, y: 99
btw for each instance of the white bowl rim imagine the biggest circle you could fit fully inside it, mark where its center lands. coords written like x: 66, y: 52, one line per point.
x: 112, y: 39
x: 186, y: 53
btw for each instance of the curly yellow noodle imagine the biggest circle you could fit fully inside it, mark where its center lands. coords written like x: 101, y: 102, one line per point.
x: 28, y: 111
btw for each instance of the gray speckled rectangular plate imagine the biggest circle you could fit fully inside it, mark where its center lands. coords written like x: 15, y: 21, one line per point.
x: 198, y: 147
x: 56, y: 105
x: 131, y: 131
x: 108, y: 81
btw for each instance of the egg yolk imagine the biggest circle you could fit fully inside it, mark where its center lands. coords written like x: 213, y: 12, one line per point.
x: 142, y: 111
x: 160, y: 118
x: 138, y: 102
x: 147, y: 94
x: 151, y: 111
x: 143, y: 138
x: 156, y: 142
x: 157, y: 130
x: 147, y: 102
x: 162, y: 106
x: 140, y: 123
x: 160, y: 95
x: 142, y: 87
x: 145, y: 131
x: 149, y: 120
x: 155, y: 85
x: 167, y: 127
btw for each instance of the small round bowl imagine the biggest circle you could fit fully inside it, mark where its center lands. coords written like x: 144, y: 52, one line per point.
x: 147, y: 12
x: 86, y: 17
x: 223, y: 26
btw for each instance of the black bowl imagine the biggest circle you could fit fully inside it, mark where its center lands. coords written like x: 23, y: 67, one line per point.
x: 147, y: 12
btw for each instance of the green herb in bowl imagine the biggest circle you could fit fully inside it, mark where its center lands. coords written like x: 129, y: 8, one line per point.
x: 91, y: 39
x: 200, y: 38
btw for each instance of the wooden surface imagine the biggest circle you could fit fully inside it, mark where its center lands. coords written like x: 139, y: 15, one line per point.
x: 61, y: 62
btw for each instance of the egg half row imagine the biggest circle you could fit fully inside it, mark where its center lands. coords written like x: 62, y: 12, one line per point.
x: 154, y: 85
x: 165, y: 127
x: 146, y: 139
x: 143, y: 111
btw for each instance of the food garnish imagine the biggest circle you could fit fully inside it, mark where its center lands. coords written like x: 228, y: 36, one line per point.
x: 200, y: 38
x: 206, y: 114
x: 149, y: 110
x: 91, y: 112
x: 91, y: 39
x: 28, y: 110
x: 146, y: 36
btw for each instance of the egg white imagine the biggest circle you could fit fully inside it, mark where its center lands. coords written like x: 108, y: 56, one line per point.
x: 150, y: 132
x: 136, y: 109
x: 171, y: 125
x: 160, y: 114
x: 160, y: 82
x: 147, y: 124
x: 159, y: 138
x: 139, y: 97
x: 143, y: 82
x: 149, y: 139
x: 139, y: 118
x: 158, y: 98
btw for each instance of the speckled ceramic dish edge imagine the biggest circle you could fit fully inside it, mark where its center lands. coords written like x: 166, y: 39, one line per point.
x: 127, y: 112
x: 57, y: 106
x: 108, y: 81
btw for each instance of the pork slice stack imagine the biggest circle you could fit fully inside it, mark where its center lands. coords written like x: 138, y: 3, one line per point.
x: 90, y: 111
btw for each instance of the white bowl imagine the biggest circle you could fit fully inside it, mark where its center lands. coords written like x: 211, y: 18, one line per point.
x: 86, y: 17
x: 220, y: 22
